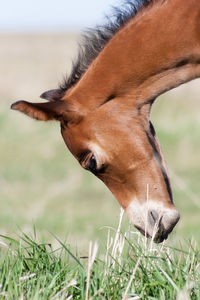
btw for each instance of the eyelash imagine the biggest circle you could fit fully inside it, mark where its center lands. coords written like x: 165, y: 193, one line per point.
x: 92, y: 164
x: 89, y: 162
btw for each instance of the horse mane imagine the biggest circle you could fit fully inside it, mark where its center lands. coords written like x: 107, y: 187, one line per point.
x: 94, y: 40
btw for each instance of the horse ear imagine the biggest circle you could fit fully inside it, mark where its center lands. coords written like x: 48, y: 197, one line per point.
x: 41, y: 111
x: 53, y: 95
x: 57, y: 110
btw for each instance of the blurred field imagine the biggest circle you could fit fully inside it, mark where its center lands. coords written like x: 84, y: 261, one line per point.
x: 41, y: 183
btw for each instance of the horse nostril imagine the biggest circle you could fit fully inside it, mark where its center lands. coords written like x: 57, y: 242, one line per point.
x: 153, y: 217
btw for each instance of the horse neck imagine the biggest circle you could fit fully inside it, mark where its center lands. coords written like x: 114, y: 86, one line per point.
x: 162, y: 41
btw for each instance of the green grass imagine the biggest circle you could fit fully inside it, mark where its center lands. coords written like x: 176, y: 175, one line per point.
x: 129, y: 267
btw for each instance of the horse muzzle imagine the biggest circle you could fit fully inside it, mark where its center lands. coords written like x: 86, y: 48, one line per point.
x: 153, y: 222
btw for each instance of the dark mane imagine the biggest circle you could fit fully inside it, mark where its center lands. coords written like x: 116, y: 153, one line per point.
x: 94, y: 40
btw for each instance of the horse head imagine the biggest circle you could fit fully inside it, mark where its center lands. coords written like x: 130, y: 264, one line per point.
x: 104, y: 109
x: 118, y: 144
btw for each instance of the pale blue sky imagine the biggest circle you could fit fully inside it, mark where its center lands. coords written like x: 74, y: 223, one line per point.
x: 51, y: 15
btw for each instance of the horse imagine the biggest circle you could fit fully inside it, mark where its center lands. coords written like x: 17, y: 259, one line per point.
x: 104, y: 105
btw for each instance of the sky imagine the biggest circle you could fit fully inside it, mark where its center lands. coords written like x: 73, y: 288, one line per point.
x: 51, y: 15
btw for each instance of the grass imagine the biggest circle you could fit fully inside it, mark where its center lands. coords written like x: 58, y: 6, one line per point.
x: 130, y: 267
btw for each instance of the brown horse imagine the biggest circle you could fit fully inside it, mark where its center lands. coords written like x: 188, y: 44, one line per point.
x: 104, y: 105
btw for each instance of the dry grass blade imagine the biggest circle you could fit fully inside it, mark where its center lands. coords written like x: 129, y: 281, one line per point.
x: 73, y: 282
x: 131, y: 279
x: 185, y: 293
x: 91, y: 258
x: 117, y: 236
x: 26, y: 277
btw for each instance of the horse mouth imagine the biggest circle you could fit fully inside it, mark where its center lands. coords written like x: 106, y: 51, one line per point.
x: 159, y: 237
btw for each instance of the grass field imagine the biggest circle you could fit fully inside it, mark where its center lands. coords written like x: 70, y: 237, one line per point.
x: 42, y: 185
x: 129, y: 268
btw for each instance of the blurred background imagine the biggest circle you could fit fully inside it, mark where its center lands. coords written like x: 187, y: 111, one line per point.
x: 41, y: 184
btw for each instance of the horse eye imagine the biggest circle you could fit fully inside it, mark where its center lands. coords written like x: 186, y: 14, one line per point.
x: 92, y: 164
